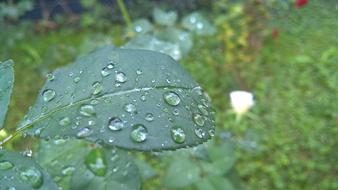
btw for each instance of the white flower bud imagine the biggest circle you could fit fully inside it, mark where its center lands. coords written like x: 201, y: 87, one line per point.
x: 241, y: 101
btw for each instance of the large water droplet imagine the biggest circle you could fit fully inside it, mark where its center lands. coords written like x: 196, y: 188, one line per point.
x: 84, y: 132
x: 105, y: 71
x: 96, y: 162
x: 120, y: 77
x: 198, y: 119
x: 64, y: 121
x: 171, y: 98
x: 149, y: 117
x: 48, y: 95
x: 115, y: 124
x: 87, y: 110
x: 32, y: 176
x: 130, y: 108
x: 6, y: 165
x: 178, y: 134
x: 97, y: 88
x: 139, y: 133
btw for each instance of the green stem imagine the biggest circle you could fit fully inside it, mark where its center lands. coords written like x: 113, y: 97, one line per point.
x: 125, y: 14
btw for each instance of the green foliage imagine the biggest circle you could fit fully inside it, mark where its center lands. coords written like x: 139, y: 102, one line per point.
x: 20, y: 172
x: 6, y: 86
x: 102, y: 98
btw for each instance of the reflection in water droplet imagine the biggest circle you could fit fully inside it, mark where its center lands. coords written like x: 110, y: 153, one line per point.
x: 171, y: 98
x: 120, y: 77
x: 97, y: 88
x: 130, y: 108
x: 96, y: 162
x: 64, y: 121
x: 84, y: 132
x: 6, y: 165
x: 199, y: 133
x: 178, y: 134
x: 115, y: 124
x: 48, y: 95
x: 198, y: 119
x: 139, y: 133
x: 87, y: 110
x: 149, y: 117
x: 32, y: 176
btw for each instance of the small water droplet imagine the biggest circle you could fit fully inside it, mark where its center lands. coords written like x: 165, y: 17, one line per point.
x: 178, y: 134
x: 6, y: 165
x: 64, y: 121
x: 120, y: 77
x: 211, y: 132
x: 48, y: 95
x: 143, y: 98
x: 139, y: 133
x: 91, y: 122
x: 97, y: 88
x: 110, y: 66
x: 176, y: 112
x: 84, y: 132
x: 115, y: 124
x: 77, y: 79
x: 171, y: 98
x: 105, y: 71
x: 198, y: 119
x: 149, y: 117
x: 203, y: 109
x: 139, y: 72
x: 87, y: 110
x: 130, y: 108
x: 50, y: 76
x: 68, y: 170
x: 199, y: 133
x: 96, y: 162
x: 32, y: 176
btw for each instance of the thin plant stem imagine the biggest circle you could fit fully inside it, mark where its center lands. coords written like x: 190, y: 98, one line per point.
x: 125, y: 14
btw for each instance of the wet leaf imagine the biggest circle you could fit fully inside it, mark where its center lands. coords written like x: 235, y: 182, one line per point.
x: 76, y: 164
x: 199, y: 24
x: 127, y: 98
x: 20, y: 172
x: 6, y: 86
x: 164, y: 18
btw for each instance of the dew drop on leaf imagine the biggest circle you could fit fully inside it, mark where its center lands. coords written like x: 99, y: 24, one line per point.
x: 84, y: 132
x: 171, y: 98
x: 32, y: 176
x: 198, y: 119
x: 199, y: 133
x: 67, y: 170
x: 6, y: 165
x: 130, y: 108
x: 97, y: 88
x: 203, y: 109
x: 149, y: 117
x: 105, y: 71
x: 48, y: 95
x: 50, y: 76
x: 178, y: 134
x: 77, y: 79
x: 139, y: 133
x: 87, y: 110
x: 64, y: 121
x: 115, y: 124
x: 120, y: 77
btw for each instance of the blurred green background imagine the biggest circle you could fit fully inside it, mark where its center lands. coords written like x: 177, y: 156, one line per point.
x: 283, y: 51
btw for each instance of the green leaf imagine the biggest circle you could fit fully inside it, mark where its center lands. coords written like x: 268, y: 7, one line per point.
x: 214, y: 183
x: 145, y: 169
x: 182, y: 172
x: 76, y: 164
x: 176, y: 36
x: 133, y: 99
x: 222, y: 159
x: 195, y: 22
x: 164, y: 18
x: 19, y: 172
x: 6, y: 86
x: 106, y: 169
x: 142, y: 26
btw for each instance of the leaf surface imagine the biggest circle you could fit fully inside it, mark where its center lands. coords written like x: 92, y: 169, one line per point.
x: 6, y: 86
x: 134, y: 99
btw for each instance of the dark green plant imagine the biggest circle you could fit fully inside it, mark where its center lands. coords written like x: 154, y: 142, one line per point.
x: 111, y: 100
